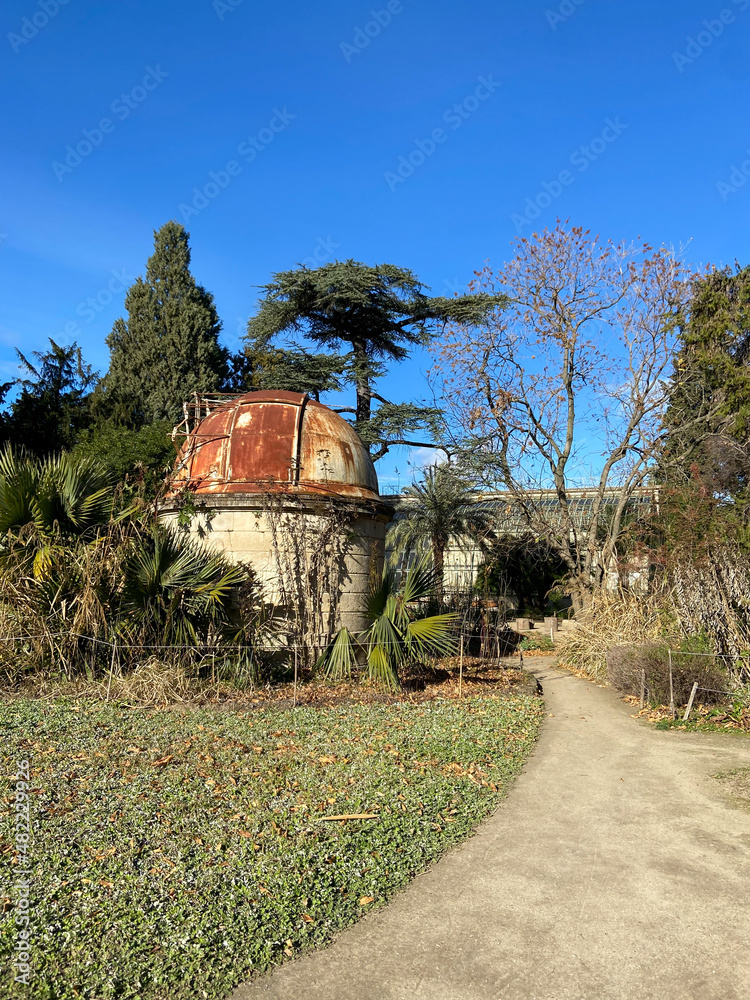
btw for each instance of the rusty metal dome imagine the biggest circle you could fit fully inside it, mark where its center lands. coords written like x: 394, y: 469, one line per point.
x: 273, y: 442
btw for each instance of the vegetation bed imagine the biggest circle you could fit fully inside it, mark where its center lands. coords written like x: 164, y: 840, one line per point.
x: 730, y: 716
x: 176, y: 853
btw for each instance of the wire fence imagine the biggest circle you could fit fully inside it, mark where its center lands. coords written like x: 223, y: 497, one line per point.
x: 735, y: 668
x: 486, y: 637
x: 100, y: 659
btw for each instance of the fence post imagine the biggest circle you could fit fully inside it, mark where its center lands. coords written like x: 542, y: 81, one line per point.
x: 111, y: 668
x: 689, y: 708
x: 671, y: 686
x: 461, y: 667
x: 294, y: 703
x: 643, y: 687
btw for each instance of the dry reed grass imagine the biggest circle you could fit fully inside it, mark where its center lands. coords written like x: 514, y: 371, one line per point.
x: 150, y: 684
x: 619, y: 619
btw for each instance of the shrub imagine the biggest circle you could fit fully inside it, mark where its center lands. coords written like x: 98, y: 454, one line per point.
x: 542, y: 642
x: 83, y: 586
x: 626, y: 665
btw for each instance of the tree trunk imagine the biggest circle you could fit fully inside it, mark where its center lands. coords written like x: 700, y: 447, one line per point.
x: 438, y: 558
x: 583, y: 590
x: 364, y: 389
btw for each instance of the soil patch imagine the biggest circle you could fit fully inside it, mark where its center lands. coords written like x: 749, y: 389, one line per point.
x: 737, y: 785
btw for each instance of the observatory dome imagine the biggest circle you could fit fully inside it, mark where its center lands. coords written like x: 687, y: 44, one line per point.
x: 264, y: 442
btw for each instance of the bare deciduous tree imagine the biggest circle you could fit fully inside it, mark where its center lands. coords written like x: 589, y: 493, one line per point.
x: 566, y: 387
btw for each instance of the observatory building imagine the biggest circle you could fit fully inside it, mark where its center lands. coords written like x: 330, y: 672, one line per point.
x: 285, y: 484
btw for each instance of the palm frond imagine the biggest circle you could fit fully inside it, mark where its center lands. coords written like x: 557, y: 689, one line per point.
x: 339, y: 657
x: 433, y: 636
x: 377, y: 600
x: 419, y: 581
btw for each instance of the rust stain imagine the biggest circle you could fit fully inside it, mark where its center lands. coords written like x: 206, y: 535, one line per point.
x: 276, y: 442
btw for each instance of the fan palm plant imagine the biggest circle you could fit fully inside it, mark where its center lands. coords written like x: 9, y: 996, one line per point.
x: 437, y: 511
x: 394, y: 636
x: 60, y: 494
x: 175, y: 590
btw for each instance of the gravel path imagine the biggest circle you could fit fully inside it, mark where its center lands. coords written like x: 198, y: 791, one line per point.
x: 616, y: 869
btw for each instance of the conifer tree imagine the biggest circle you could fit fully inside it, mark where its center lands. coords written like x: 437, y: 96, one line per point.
x: 53, y: 406
x: 364, y: 317
x: 167, y: 347
x: 708, y: 418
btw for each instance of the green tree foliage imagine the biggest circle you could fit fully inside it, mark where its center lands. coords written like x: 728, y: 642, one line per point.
x: 168, y: 346
x: 525, y: 565
x: 395, y: 635
x: 53, y: 405
x: 363, y: 317
x: 435, y: 512
x: 275, y: 368
x: 708, y: 418
x: 139, y: 456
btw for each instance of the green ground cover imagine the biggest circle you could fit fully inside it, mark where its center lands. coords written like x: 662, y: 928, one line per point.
x: 176, y: 853
x: 702, y: 725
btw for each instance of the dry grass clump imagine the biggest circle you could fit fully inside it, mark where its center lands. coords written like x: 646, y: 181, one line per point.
x: 621, y: 619
x: 150, y: 684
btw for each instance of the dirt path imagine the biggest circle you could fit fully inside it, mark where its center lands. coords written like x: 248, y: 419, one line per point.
x: 617, y: 869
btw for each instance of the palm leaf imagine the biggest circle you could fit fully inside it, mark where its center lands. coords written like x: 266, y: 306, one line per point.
x: 385, y: 649
x: 380, y: 667
x: 419, y: 582
x: 433, y: 636
x: 376, y: 601
x: 339, y: 657
x: 19, y: 481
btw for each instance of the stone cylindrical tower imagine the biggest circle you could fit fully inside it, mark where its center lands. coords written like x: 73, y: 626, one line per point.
x: 285, y: 484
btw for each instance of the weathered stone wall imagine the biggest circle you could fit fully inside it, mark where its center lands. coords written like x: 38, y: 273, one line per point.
x: 257, y: 530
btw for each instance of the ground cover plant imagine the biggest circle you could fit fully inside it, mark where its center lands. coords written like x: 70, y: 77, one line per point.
x: 537, y: 644
x: 732, y: 716
x: 175, y: 853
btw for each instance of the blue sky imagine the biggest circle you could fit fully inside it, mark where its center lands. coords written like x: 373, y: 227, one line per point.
x: 645, y: 106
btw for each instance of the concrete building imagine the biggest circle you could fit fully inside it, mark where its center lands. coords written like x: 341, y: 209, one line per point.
x: 463, y: 558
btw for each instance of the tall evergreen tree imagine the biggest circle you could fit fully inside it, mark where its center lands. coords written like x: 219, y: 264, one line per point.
x: 168, y: 346
x: 363, y: 317
x: 708, y: 418
x: 53, y: 405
